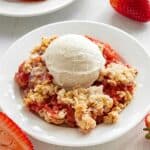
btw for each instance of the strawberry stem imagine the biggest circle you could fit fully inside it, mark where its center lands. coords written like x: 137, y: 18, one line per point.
x: 146, y: 129
x: 147, y: 136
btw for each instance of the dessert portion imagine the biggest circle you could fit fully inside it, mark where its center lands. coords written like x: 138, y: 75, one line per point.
x: 76, y: 80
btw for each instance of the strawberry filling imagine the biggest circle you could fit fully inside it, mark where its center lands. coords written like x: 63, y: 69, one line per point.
x: 109, y: 54
x: 53, y: 107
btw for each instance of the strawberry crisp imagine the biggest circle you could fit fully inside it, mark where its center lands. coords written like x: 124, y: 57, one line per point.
x: 79, y: 107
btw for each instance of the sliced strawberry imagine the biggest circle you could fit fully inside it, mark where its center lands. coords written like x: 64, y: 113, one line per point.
x: 11, y: 136
x: 147, y: 120
x: 135, y: 9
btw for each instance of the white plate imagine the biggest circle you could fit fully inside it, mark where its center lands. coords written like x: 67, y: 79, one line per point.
x: 127, y: 46
x: 23, y: 9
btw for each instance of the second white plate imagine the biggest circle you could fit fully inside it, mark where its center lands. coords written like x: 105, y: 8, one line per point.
x: 20, y: 8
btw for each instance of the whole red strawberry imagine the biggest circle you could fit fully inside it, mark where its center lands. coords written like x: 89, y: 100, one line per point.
x: 135, y: 9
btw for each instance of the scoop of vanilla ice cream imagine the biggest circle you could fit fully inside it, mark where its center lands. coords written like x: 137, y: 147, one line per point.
x: 74, y: 61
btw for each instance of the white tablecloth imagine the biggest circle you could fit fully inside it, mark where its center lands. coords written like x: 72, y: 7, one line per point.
x: 97, y: 10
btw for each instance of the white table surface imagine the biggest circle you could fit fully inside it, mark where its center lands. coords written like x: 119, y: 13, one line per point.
x: 97, y: 10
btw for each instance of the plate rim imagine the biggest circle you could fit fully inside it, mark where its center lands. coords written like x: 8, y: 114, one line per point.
x: 111, y: 138
x: 49, y: 11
